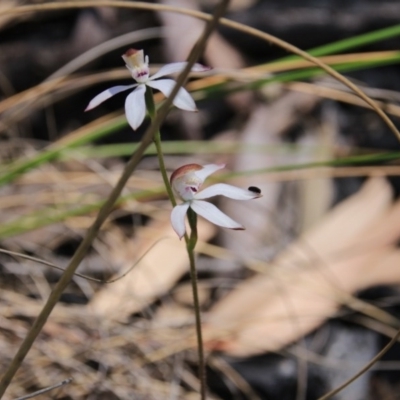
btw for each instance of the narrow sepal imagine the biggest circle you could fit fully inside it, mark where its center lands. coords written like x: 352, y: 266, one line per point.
x: 214, y: 215
x: 103, y: 96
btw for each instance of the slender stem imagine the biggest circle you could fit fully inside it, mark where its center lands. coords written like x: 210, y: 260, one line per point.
x: 394, y: 339
x: 151, y: 108
x: 150, y: 105
x: 192, y: 218
x: 190, y: 245
x: 45, y: 390
x: 157, y: 142
x: 191, y: 242
x: 199, y: 333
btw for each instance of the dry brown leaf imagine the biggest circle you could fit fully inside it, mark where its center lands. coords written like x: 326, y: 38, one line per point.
x: 351, y: 249
x: 153, y: 276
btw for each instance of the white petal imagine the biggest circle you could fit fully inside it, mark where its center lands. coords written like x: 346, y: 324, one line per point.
x: 230, y: 191
x: 103, y: 96
x: 214, y: 215
x: 182, y: 100
x: 135, y: 107
x: 207, y: 170
x: 173, y: 68
x: 178, y: 219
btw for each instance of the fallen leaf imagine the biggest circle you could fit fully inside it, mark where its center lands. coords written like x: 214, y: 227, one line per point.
x: 350, y: 249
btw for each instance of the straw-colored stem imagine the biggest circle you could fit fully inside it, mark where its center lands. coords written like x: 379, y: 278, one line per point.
x: 367, y: 366
x: 190, y: 245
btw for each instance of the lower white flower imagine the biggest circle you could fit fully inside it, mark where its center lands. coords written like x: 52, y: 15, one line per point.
x: 186, y: 182
x: 135, y: 105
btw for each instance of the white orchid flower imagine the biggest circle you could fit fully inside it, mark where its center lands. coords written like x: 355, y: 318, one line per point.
x: 135, y: 105
x: 186, y: 182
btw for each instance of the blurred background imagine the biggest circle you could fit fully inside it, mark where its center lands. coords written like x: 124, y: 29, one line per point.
x: 294, y: 305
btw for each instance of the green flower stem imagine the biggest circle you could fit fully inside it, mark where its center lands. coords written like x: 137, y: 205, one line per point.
x: 190, y: 245
x: 151, y: 108
x: 150, y: 105
x: 192, y: 217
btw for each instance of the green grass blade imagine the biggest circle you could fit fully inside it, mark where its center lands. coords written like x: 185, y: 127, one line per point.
x: 348, y: 44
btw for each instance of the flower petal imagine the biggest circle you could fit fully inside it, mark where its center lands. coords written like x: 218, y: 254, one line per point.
x: 230, y: 191
x: 182, y: 100
x: 214, y: 215
x: 178, y: 219
x: 173, y: 68
x: 135, y: 107
x: 207, y: 170
x: 103, y: 96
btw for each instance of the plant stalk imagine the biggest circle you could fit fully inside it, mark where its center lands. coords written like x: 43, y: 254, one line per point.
x: 190, y: 245
x: 151, y: 108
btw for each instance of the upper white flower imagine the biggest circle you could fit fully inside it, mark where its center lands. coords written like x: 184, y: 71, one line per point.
x: 186, y: 182
x: 135, y: 106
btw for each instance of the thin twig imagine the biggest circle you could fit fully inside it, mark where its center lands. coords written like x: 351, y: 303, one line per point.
x: 83, y: 276
x: 226, y: 369
x: 363, y: 370
x: 45, y: 390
